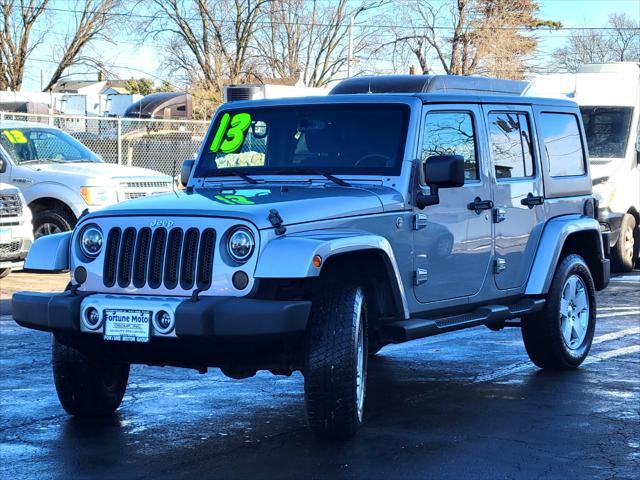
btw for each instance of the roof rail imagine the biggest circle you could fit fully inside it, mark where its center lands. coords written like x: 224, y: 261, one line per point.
x: 429, y: 84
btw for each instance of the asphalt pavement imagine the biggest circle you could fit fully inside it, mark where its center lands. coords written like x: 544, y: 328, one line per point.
x: 464, y: 405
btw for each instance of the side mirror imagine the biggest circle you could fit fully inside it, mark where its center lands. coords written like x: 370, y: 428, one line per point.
x: 185, y: 171
x: 440, y: 171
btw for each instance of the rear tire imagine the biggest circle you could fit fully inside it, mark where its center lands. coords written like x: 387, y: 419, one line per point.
x: 47, y: 222
x: 625, y: 252
x: 559, y: 337
x: 335, y: 370
x: 87, y: 387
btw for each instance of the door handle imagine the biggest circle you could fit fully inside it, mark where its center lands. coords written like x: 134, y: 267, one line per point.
x: 531, y: 200
x: 478, y: 205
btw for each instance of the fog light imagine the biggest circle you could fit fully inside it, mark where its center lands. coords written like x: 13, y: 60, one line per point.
x: 240, y: 280
x: 80, y: 274
x: 163, y: 322
x: 92, y: 318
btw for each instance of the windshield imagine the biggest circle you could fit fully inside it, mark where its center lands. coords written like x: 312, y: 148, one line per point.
x: 332, y: 139
x: 607, y: 130
x: 40, y: 145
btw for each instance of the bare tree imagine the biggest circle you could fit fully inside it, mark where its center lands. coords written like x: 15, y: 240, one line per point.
x: 94, y: 20
x: 619, y: 41
x: 209, y: 41
x: 16, y: 40
x: 308, y: 39
x: 471, y: 37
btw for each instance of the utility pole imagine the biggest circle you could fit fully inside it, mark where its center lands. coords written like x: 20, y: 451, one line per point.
x: 350, y: 58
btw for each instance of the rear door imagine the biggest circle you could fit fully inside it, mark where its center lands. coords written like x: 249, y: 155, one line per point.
x: 518, y: 195
x: 452, y: 242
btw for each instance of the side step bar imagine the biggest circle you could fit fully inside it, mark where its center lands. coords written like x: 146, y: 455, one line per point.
x: 405, y: 330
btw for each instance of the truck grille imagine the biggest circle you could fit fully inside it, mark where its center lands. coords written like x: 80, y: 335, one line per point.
x: 9, y: 248
x: 168, y: 257
x: 139, y: 189
x: 10, y: 205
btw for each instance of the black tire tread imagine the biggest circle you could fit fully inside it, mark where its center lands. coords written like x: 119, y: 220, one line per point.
x: 619, y: 264
x: 79, y: 385
x: 64, y: 219
x: 331, y: 364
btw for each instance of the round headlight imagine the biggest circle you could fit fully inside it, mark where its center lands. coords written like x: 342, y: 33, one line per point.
x: 241, y: 244
x: 91, y: 241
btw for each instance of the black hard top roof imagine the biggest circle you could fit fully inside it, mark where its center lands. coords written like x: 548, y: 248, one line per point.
x: 429, y: 84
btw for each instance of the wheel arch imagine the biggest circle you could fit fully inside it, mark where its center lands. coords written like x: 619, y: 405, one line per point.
x: 345, y: 255
x: 50, y: 203
x: 564, y: 235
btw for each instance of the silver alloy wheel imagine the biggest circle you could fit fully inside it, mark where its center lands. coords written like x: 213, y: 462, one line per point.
x: 574, y: 312
x: 46, y: 228
x: 628, y: 244
x: 361, y: 372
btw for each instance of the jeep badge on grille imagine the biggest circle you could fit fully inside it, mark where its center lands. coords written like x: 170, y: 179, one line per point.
x: 161, y: 223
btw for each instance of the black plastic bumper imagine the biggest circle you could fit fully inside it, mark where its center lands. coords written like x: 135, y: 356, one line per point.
x: 611, y: 222
x: 206, y: 318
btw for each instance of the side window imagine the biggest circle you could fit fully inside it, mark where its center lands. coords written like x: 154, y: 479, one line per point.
x: 510, y: 139
x: 50, y: 147
x: 563, y: 144
x: 451, y: 133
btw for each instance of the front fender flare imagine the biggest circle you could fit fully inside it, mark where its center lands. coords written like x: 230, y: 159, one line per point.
x: 291, y: 256
x: 49, y: 253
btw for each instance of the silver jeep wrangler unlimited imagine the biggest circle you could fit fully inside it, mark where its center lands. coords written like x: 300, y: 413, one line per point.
x: 314, y: 231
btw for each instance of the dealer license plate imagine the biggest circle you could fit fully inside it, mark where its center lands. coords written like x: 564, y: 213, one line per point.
x: 127, y: 325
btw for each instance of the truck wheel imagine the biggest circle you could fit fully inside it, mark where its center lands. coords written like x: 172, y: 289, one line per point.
x: 4, y: 272
x: 87, y: 387
x: 559, y: 337
x: 47, y: 222
x: 625, y: 252
x: 335, y: 371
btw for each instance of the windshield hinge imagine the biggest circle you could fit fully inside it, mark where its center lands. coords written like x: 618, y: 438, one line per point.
x: 419, y: 221
x: 276, y: 221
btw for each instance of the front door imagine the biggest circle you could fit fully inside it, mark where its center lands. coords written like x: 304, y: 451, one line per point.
x: 518, y: 192
x: 452, y: 242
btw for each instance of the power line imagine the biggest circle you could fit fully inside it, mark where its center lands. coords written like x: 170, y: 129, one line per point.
x: 361, y: 24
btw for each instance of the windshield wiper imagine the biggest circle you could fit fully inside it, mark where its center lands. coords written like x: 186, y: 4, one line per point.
x: 41, y: 160
x: 307, y: 170
x: 242, y: 175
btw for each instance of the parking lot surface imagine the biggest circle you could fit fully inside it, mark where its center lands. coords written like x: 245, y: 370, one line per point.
x: 462, y: 405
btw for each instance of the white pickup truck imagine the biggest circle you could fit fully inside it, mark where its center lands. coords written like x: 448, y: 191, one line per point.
x: 60, y: 178
x: 16, y: 231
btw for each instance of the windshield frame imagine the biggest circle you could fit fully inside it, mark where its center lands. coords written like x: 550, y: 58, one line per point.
x: 203, y: 175
x: 627, y: 134
x: 91, y: 158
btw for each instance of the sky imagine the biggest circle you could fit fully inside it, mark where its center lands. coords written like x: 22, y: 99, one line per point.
x: 137, y: 61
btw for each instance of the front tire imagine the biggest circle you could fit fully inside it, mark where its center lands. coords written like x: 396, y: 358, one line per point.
x: 625, y: 252
x: 559, y: 337
x: 47, y: 222
x: 335, y: 370
x: 4, y: 272
x: 87, y: 387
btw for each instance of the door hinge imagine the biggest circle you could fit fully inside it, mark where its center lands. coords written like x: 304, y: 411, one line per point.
x: 500, y: 265
x: 419, y: 221
x: 420, y: 276
x: 499, y: 215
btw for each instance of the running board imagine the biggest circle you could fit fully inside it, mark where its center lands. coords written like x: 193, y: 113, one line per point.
x: 405, y: 330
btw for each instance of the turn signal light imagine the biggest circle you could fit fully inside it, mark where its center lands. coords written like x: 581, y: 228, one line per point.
x: 317, y: 261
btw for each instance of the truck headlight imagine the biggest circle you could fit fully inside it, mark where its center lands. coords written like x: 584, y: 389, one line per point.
x: 241, y: 244
x: 99, y: 195
x: 91, y: 241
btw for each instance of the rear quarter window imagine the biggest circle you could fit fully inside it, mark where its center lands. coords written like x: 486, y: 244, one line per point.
x: 563, y: 145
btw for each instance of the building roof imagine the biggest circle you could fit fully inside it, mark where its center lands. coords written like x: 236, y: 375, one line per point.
x: 73, y: 86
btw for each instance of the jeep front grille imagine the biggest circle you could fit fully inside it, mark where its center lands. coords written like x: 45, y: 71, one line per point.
x: 168, y: 257
x: 10, y: 205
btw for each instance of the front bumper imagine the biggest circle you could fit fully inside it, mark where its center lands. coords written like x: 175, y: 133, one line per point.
x: 610, y: 222
x: 15, y: 242
x: 212, y: 318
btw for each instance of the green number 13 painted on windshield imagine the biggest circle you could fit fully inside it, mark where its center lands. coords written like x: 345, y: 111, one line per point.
x: 230, y: 133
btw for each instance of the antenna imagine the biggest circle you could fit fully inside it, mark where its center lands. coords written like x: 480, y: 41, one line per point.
x: 173, y: 176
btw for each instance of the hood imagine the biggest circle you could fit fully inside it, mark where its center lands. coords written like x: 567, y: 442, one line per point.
x: 295, y: 204
x: 99, y: 170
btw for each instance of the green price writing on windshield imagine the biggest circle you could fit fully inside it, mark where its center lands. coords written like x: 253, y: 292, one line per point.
x: 230, y: 133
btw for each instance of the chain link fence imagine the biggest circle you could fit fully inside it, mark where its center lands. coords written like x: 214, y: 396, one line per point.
x: 160, y: 145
